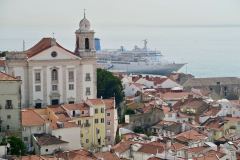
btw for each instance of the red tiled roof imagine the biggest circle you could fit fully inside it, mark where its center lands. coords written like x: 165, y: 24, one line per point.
x: 7, y: 77
x: 78, y: 106
x: 109, y: 103
x: 151, y: 149
x: 122, y: 146
x: 107, y: 156
x: 31, y: 118
x: 77, y: 155
x: 174, y: 95
x: 42, y: 45
x: 190, y: 135
x: 95, y: 102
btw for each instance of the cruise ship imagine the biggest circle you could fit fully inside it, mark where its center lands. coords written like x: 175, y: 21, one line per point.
x: 136, y: 61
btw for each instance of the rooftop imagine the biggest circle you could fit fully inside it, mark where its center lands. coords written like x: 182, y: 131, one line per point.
x: 31, y: 118
x: 47, y: 139
x: 7, y: 77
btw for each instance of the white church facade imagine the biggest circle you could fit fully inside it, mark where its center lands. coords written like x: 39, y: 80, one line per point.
x: 53, y: 75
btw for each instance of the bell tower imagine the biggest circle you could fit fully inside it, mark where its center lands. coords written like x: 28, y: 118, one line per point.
x: 85, y: 46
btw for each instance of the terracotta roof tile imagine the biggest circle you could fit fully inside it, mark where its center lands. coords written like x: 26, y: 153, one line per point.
x: 47, y: 139
x: 190, y: 135
x: 77, y: 155
x: 79, y: 106
x: 31, y: 118
x: 7, y: 77
x: 151, y: 149
x: 95, y: 102
x: 107, y: 156
x: 42, y: 45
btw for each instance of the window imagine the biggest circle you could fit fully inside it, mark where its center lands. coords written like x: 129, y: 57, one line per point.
x: 24, y: 129
x: 102, y: 110
x: 99, y: 141
x: 54, y: 54
x: 79, y: 122
x: 96, y: 111
x: 102, y: 120
x: 37, y: 76
x: 70, y: 76
x: 86, y: 43
x: 97, y: 131
x: 88, y: 78
x: 54, y: 75
x: 38, y: 105
x: 88, y: 91
x: 87, y: 140
x: 54, y: 87
x: 82, y: 112
x: 71, y: 102
x: 8, y: 104
x: 39, y: 128
x: 109, y: 123
x: 108, y: 114
x: 37, y: 88
x: 108, y: 132
x: 8, y: 116
x: 96, y: 120
x: 71, y: 87
x: 25, y: 138
x: 8, y: 127
x: 81, y: 135
x: 46, y: 150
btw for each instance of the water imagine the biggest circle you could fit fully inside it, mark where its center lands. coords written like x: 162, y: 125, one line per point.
x: 210, y: 51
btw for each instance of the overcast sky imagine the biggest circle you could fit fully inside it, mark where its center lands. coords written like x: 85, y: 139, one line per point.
x: 102, y: 13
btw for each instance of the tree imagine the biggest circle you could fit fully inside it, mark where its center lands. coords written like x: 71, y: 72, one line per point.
x: 17, y: 147
x: 109, y: 86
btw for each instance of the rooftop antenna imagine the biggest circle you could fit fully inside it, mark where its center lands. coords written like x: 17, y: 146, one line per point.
x: 23, y: 45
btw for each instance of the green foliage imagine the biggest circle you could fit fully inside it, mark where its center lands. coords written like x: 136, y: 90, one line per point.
x: 118, y: 138
x: 129, y: 111
x: 109, y: 86
x: 138, y: 130
x: 17, y: 146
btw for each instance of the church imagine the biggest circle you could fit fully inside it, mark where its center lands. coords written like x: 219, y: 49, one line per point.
x: 51, y: 74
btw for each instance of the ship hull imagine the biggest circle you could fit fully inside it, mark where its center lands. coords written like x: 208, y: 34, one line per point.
x: 142, y: 68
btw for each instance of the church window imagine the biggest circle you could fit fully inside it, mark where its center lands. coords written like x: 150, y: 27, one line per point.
x: 71, y: 87
x: 54, y: 87
x: 37, y: 76
x: 54, y: 54
x: 70, y: 76
x: 86, y: 43
x: 37, y: 88
x: 88, y: 92
x: 54, y: 75
x: 88, y: 78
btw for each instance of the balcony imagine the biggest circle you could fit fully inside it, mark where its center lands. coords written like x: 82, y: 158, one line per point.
x: 8, y: 107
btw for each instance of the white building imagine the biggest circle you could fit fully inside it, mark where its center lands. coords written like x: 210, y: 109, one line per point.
x: 52, y: 75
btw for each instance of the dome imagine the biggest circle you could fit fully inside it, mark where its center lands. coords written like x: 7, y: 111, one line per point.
x: 84, y: 24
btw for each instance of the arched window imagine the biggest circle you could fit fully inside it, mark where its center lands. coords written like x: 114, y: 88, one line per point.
x: 86, y: 43
x: 54, y: 75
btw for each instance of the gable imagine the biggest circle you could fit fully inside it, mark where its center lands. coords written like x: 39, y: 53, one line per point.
x: 46, y: 54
